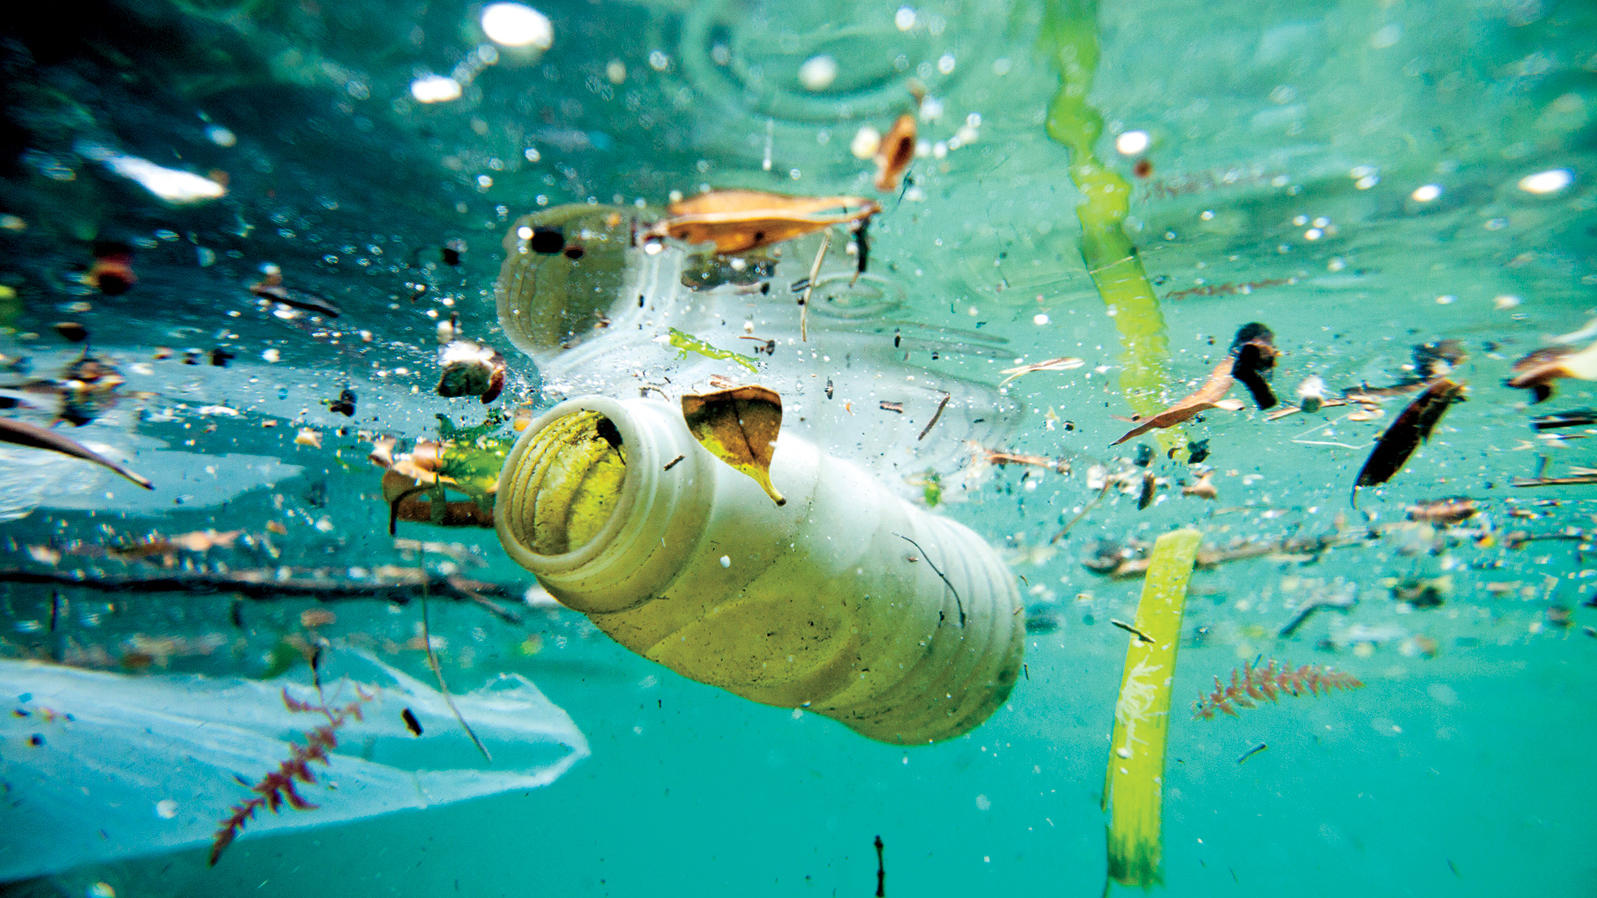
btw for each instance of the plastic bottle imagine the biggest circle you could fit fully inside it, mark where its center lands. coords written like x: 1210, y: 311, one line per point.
x: 832, y: 602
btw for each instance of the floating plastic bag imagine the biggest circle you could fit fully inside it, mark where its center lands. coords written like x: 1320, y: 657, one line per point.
x: 99, y: 766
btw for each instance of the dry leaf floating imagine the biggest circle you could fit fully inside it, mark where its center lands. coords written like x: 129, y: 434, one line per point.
x: 1207, y: 396
x: 740, y: 220
x: 739, y: 426
x: 1537, y: 371
x: 895, y: 153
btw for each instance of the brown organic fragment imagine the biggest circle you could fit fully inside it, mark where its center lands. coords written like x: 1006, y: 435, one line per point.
x: 740, y: 220
x: 896, y: 152
x: 1537, y: 371
x: 1411, y: 427
x: 1208, y: 396
x: 740, y: 427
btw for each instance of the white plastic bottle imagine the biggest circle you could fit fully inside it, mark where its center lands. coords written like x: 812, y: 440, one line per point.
x: 836, y: 602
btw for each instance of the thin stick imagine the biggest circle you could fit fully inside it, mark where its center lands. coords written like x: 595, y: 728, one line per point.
x: 262, y: 585
x: 1083, y: 513
x: 935, y: 415
x: 809, y: 286
x: 438, y: 671
x: 957, y: 603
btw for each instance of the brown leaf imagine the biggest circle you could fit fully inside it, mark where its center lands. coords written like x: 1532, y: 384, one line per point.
x: 896, y: 153
x: 739, y: 426
x: 1411, y: 427
x: 1208, y: 396
x: 1537, y: 371
x: 740, y: 220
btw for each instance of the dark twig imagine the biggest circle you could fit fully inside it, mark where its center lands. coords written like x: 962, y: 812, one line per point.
x: 935, y: 415
x: 438, y: 671
x: 264, y: 585
x: 957, y: 603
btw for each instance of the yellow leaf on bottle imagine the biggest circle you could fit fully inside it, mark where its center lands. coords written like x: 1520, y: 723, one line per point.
x: 739, y: 426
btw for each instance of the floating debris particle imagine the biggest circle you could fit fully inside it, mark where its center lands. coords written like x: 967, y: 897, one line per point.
x: 1064, y: 363
x: 308, y: 436
x: 468, y: 368
x: 1411, y: 427
x: 1537, y: 371
x: 1443, y: 511
x: 895, y: 152
x: 740, y: 220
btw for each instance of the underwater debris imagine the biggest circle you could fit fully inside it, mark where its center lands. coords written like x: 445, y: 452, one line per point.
x: 1203, y: 487
x: 1575, y: 477
x: 22, y: 433
x: 1311, y: 394
x: 1064, y: 363
x: 1255, y: 354
x: 739, y: 427
x: 1411, y: 427
x: 881, y: 870
x: 1251, y: 752
x: 1230, y: 289
x: 687, y: 343
x: 1251, y: 685
x: 1134, y: 778
x: 271, y: 287
x: 740, y: 220
x: 942, y: 404
x: 416, y: 486
x: 277, y: 787
x: 112, y: 271
x: 1250, y: 359
x: 1443, y: 511
x: 1537, y: 371
x: 1001, y: 458
x: 399, y: 585
x: 1207, y: 397
x: 344, y: 404
x: 468, y: 368
x: 1576, y: 417
x: 1422, y: 593
x: 895, y: 153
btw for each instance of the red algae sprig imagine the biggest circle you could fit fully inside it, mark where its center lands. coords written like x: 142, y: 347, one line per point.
x: 278, y: 788
x: 1252, y: 685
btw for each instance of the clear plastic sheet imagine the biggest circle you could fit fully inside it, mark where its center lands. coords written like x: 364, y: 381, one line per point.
x: 99, y: 766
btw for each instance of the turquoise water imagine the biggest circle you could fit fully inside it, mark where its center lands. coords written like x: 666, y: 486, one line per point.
x: 1353, y: 175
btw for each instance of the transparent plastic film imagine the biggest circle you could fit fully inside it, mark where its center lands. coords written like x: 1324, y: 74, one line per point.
x: 846, y: 601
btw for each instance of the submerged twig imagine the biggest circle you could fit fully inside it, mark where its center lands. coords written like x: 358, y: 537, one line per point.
x: 935, y: 415
x: 268, y: 585
x: 438, y: 671
x: 938, y: 571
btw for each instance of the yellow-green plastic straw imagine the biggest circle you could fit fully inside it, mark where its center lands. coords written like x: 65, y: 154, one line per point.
x: 1070, y: 38
x: 1135, y: 782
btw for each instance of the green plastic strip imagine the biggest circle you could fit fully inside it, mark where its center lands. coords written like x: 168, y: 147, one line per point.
x: 1069, y: 37
x: 1134, y: 784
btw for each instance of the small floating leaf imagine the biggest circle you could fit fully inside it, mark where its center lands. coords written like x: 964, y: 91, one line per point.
x: 740, y: 220
x: 1411, y: 427
x: 1208, y: 396
x: 689, y: 343
x: 739, y: 426
x: 896, y: 152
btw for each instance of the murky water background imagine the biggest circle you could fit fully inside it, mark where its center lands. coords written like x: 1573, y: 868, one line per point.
x: 1351, y: 175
